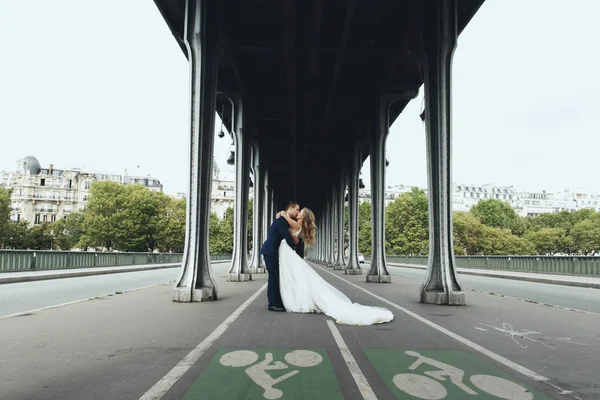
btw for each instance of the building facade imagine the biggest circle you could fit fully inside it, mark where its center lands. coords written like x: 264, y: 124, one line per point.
x: 525, y: 203
x: 47, y: 194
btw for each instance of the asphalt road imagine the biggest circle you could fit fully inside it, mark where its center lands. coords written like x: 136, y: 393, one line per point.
x: 28, y: 296
x: 584, y: 299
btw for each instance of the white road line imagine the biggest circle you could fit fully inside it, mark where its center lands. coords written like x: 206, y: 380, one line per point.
x: 361, y: 381
x: 20, y: 313
x: 502, y: 360
x: 161, y: 387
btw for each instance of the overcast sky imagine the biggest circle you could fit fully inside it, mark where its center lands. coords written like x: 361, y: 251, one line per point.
x: 84, y: 86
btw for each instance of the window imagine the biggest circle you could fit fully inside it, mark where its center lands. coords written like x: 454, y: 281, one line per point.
x: 69, y: 183
x: 18, y: 217
x: 42, y: 182
x: 54, y: 218
x: 87, y: 184
x: 37, y: 219
x: 45, y: 218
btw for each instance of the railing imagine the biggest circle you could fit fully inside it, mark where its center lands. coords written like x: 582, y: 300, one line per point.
x: 22, y: 260
x: 569, y: 265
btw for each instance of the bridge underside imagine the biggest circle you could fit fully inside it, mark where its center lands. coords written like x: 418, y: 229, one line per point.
x: 308, y: 90
x: 311, y: 73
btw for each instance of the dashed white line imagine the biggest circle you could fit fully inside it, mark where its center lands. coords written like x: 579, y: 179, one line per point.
x: 361, y: 381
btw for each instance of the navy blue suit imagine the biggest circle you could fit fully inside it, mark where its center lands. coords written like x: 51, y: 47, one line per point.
x: 278, y: 231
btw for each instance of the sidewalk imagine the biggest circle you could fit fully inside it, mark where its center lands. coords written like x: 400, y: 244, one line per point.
x: 564, y: 280
x: 39, y: 275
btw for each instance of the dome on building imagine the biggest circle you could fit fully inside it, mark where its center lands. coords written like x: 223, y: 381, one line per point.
x: 31, y: 164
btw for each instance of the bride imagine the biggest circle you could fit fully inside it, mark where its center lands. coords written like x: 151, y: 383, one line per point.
x: 303, y: 290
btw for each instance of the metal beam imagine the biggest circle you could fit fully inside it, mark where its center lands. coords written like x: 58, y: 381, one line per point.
x: 289, y: 55
x: 341, y: 51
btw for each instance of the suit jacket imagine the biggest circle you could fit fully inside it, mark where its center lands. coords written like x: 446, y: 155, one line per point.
x: 278, y: 231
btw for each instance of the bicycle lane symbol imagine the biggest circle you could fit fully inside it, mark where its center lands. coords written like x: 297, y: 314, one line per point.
x: 258, y: 371
x: 427, y: 377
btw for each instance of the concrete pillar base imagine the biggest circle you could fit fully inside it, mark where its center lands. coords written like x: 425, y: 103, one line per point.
x: 239, y: 277
x: 442, y: 298
x: 185, y: 295
x: 338, y: 267
x: 379, y: 278
x: 353, y: 271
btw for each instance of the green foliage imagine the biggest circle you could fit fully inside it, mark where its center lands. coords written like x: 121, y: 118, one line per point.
x: 5, y: 223
x: 498, y: 214
x: 67, y: 232
x: 549, y: 241
x: 170, y: 232
x: 407, y: 224
x: 364, y: 228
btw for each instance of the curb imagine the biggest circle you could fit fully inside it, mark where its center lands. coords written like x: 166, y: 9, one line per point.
x: 65, y: 274
x: 513, y: 277
x: 19, y: 279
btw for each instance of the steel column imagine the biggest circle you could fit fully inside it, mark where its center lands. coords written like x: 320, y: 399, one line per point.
x: 257, y: 212
x: 439, y: 37
x: 340, y: 192
x: 378, y: 272
x: 353, y: 267
x: 202, y: 36
x: 240, y: 272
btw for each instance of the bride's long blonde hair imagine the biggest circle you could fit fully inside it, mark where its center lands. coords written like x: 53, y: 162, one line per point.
x: 309, y: 228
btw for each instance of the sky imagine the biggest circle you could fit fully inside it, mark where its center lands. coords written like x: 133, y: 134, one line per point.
x: 83, y: 86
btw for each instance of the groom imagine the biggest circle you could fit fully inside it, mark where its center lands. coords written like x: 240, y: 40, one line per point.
x: 278, y: 231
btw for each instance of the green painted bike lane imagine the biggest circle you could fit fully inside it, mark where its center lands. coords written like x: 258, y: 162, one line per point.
x: 309, y: 374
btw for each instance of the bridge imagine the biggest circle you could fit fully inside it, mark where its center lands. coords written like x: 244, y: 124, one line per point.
x: 308, y: 90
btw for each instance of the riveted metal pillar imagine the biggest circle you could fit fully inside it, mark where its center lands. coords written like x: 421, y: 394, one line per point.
x: 202, y: 35
x: 257, y: 212
x: 330, y: 236
x: 439, y: 38
x: 340, y: 194
x: 378, y: 272
x: 239, y: 271
x: 353, y: 267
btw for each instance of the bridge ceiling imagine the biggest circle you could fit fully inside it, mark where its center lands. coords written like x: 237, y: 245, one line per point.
x: 311, y: 72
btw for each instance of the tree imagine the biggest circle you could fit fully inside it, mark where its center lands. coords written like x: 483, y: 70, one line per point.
x: 498, y: 214
x: 17, y: 236
x: 170, y: 234
x: 586, y: 236
x: 221, y: 233
x: 407, y: 224
x: 501, y: 242
x: 40, y: 237
x: 467, y: 232
x: 549, y: 241
x: 67, y: 232
x: 102, y: 214
x: 364, y: 228
x: 250, y: 222
x: 5, y: 223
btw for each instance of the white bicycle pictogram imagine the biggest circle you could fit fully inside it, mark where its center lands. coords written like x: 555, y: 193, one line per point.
x: 427, y: 388
x: 258, y: 372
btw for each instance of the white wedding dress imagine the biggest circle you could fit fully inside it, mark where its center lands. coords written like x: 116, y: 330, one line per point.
x: 303, y: 290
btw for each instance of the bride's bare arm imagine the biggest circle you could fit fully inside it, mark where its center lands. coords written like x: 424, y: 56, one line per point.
x: 293, y: 224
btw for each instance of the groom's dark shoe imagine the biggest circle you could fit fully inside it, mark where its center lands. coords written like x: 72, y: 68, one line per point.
x: 276, y: 308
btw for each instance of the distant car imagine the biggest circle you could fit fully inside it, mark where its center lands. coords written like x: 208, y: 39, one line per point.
x: 361, y: 258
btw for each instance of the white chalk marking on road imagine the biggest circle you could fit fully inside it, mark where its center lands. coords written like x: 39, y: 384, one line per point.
x: 505, y: 361
x: 161, y: 387
x: 360, y: 379
x: 497, y: 357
